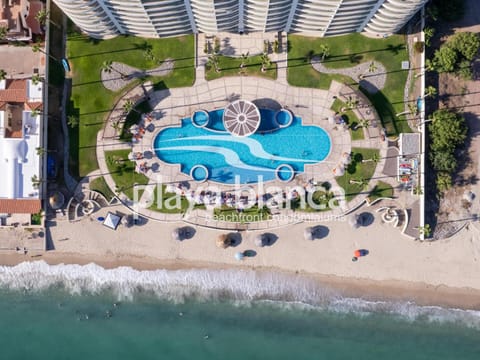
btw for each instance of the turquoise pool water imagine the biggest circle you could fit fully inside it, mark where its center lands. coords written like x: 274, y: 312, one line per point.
x: 250, y: 158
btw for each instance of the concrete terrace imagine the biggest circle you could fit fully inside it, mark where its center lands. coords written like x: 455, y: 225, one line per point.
x: 171, y: 105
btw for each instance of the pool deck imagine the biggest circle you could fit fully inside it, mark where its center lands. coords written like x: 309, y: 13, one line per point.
x: 312, y: 105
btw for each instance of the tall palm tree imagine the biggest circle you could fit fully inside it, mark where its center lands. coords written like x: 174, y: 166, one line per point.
x: 324, y: 51
x: 108, y: 67
x: 41, y: 151
x: 36, y: 181
x: 213, y: 62
x: 361, y: 182
x: 375, y: 158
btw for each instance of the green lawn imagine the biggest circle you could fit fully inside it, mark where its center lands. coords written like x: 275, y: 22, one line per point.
x: 350, y: 118
x: 101, y: 186
x: 381, y: 190
x: 169, y: 202
x: 123, y: 172
x: 92, y: 102
x: 358, y: 171
x: 230, y: 66
x: 348, y: 51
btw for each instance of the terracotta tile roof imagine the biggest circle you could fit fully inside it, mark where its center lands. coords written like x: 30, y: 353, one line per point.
x: 15, y: 91
x: 20, y: 206
x: 35, y: 105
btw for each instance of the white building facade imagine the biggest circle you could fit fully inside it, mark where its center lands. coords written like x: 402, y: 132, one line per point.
x: 164, y: 18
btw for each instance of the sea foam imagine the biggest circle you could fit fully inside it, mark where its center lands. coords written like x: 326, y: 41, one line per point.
x: 242, y: 287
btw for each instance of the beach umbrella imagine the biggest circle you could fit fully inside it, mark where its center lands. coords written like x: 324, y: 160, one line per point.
x: 239, y: 256
x: 346, y: 158
x: 354, y: 221
x: 338, y: 170
x: 308, y: 233
x: 223, y: 241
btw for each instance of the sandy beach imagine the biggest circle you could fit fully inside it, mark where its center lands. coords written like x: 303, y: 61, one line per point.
x: 444, y: 272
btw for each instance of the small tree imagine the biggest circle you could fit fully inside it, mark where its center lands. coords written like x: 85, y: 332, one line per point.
x: 36, y: 79
x: 35, y: 113
x: 72, y: 121
x: 213, y: 62
x: 265, y: 62
x: 445, y: 59
x: 41, y: 151
x: 444, y: 181
x: 426, y: 231
x: 430, y: 91
x: 428, y: 32
x: 244, y: 58
x: 3, y: 74
x: 36, y: 181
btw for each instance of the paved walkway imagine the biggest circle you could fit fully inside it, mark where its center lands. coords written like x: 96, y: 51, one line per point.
x: 171, y: 105
x: 370, y: 75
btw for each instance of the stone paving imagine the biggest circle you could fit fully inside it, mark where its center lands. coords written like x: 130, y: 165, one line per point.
x: 312, y: 105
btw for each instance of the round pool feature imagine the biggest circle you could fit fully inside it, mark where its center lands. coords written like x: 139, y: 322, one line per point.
x: 283, y: 118
x: 199, y: 173
x: 241, y: 118
x: 284, y: 173
x: 200, y: 118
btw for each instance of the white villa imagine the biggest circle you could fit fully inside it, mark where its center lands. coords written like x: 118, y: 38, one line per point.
x: 20, y: 136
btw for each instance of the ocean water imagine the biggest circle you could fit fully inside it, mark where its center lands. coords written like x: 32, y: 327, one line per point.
x: 86, y: 312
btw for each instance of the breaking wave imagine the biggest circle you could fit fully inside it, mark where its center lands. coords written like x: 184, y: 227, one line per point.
x: 242, y: 287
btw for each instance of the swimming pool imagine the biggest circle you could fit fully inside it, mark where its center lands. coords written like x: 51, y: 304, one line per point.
x: 267, y: 154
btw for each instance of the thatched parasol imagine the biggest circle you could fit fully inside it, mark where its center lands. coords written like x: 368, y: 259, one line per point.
x: 308, y: 233
x: 223, y: 241
x: 57, y: 200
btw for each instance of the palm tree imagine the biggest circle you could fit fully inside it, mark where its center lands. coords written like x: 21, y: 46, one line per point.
x: 426, y: 230
x: 35, y: 113
x: 413, y: 109
x: 265, y: 62
x: 375, y: 158
x: 129, y: 106
x: 36, y: 79
x: 213, y: 62
x: 244, y: 59
x: 115, y: 125
x: 362, y: 182
x: 43, y: 16
x: 3, y: 74
x: 36, y: 181
x: 72, y: 121
x: 41, y: 151
x: 351, y: 103
x: 324, y: 51
x: 107, y: 66
x: 372, y: 67
x: 430, y: 65
x: 430, y: 91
